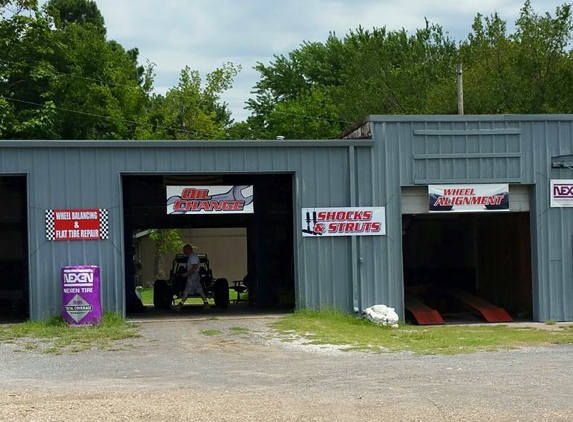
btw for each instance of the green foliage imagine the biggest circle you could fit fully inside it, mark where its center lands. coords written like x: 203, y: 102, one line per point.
x: 528, y: 71
x: 15, y: 7
x: 191, y: 110
x: 81, y: 12
x: 167, y: 240
x: 319, y: 89
x: 61, y: 78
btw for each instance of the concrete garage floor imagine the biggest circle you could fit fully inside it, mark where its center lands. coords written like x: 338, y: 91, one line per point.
x: 177, y: 373
x: 195, y: 311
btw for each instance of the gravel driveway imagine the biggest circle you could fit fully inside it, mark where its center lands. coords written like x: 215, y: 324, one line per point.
x: 177, y: 373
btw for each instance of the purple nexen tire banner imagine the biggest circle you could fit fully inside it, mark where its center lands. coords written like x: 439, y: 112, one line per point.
x: 81, y: 298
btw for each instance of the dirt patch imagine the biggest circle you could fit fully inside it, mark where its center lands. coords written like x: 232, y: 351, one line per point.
x: 245, y: 373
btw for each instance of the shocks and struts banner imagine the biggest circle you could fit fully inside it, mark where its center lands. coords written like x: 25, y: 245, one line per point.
x: 469, y: 198
x: 353, y: 221
x: 210, y: 200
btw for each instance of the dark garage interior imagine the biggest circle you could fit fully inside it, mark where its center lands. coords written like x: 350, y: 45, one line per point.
x: 270, y: 230
x: 13, y: 248
x: 461, y: 264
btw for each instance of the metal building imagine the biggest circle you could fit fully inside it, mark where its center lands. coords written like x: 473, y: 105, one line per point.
x: 520, y: 259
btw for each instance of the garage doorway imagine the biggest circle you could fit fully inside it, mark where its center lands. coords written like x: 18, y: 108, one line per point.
x: 257, y: 247
x: 13, y: 248
x: 453, y: 262
x: 466, y: 266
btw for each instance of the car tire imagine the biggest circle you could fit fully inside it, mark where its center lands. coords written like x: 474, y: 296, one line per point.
x: 221, y: 293
x: 162, y: 297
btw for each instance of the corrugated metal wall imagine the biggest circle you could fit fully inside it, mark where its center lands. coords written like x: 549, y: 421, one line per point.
x: 405, y: 151
x: 419, y: 150
x: 84, y: 175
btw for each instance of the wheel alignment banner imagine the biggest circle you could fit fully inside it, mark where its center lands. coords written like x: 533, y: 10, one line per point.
x: 468, y: 198
x: 351, y: 221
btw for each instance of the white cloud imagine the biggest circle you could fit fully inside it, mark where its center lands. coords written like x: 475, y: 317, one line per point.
x: 204, y: 34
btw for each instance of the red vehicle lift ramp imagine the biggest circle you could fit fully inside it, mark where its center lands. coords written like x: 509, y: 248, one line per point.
x: 422, y: 313
x: 489, y: 312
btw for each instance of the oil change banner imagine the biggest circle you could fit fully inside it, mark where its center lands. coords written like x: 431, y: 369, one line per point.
x: 81, y: 298
x: 561, y: 193
x: 210, y: 200
x: 355, y: 221
x: 469, y: 198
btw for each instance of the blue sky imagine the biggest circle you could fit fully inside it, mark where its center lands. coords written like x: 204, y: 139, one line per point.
x: 204, y: 34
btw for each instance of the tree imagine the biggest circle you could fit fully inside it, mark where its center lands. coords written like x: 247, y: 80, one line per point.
x: 166, y: 241
x: 16, y: 7
x: 528, y: 71
x: 345, y: 79
x: 191, y: 110
x: 50, y: 76
x: 27, y: 109
x: 394, y: 72
x: 81, y: 12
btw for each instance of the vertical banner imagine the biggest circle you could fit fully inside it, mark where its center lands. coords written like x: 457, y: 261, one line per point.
x: 81, y: 298
x: 561, y: 193
x: 354, y: 221
x: 468, y: 198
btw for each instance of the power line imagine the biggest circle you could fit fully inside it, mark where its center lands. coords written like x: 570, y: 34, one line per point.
x: 132, y: 86
x: 85, y: 113
x: 70, y: 75
x: 313, y: 117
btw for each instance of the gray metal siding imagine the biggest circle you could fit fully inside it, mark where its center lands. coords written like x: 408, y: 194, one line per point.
x: 405, y: 151
x: 89, y: 177
x: 517, y: 149
x: 380, y: 257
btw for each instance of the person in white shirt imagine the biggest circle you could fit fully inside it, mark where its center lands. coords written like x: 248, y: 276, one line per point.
x: 193, y: 285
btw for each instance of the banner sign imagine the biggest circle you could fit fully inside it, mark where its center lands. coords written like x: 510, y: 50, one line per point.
x: 81, y: 298
x: 210, y: 200
x: 561, y: 193
x: 92, y: 224
x: 469, y: 198
x: 354, y: 221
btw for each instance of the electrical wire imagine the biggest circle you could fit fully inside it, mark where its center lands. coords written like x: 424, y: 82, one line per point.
x: 306, y: 116
x: 313, y: 117
x: 84, y: 113
x: 70, y: 75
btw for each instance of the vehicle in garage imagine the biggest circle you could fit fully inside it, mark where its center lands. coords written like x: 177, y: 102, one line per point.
x: 166, y: 291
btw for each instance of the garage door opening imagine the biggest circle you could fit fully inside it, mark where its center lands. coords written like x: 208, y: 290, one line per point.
x: 13, y: 249
x: 252, y: 252
x: 468, y: 267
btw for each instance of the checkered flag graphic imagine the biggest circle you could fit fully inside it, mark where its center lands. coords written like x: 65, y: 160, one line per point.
x: 104, y: 224
x: 50, y: 225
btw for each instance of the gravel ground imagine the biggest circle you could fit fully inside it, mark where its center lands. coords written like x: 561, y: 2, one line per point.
x: 177, y: 373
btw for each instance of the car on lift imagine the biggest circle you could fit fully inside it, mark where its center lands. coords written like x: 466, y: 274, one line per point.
x: 165, y: 292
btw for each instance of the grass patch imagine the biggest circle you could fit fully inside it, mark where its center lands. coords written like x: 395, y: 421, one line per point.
x: 147, y: 297
x: 211, y: 332
x: 239, y: 330
x: 56, y: 336
x: 351, y: 333
x: 550, y: 322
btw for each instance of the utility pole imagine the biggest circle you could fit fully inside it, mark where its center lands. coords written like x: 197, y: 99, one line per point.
x: 460, y: 91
